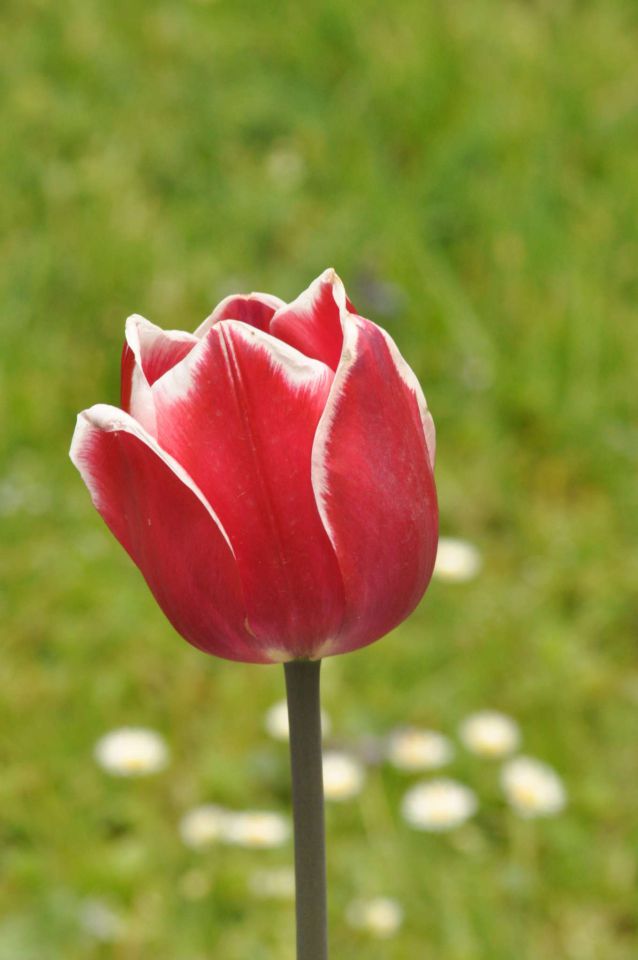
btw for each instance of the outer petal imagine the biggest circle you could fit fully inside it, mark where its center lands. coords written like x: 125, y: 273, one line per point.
x: 255, y: 309
x: 373, y: 478
x: 312, y: 322
x: 413, y: 393
x: 163, y: 521
x: 240, y: 414
x: 148, y: 353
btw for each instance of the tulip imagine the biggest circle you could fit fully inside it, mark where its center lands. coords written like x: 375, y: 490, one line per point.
x: 271, y: 475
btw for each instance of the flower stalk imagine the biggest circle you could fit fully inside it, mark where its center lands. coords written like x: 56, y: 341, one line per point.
x: 304, y: 715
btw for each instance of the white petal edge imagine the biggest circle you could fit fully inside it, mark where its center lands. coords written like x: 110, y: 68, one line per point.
x: 266, y: 298
x: 298, y: 370
x: 411, y: 381
x: 350, y: 324
x: 110, y: 419
x: 137, y: 330
x: 403, y: 368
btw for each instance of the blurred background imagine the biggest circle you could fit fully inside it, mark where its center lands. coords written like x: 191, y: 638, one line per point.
x: 470, y: 170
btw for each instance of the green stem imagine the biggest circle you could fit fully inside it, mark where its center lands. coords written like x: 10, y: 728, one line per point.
x: 304, y: 715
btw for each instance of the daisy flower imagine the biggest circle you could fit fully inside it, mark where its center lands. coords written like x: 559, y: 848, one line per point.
x: 131, y: 752
x: 438, y: 805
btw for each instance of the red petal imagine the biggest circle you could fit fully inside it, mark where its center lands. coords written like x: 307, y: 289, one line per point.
x: 240, y: 415
x: 127, y: 369
x: 164, y: 523
x: 255, y: 309
x: 312, y: 322
x: 374, y: 483
x: 148, y: 353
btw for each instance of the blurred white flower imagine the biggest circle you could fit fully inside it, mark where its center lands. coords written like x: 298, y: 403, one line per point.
x: 131, y: 752
x: 276, y: 721
x: 381, y: 916
x: 100, y: 921
x: 489, y: 733
x: 438, y: 805
x: 275, y: 884
x: 343, y: 775
x: 203, y: 826
x: 533, y: 788
x: 410, y: 749
x: 258, y: 829
x: 456, y: 560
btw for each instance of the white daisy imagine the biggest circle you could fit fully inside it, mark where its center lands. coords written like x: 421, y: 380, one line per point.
x: 258, y: 829
x: 276, y: 721
x: 343, y: 775
x: 411, y: 749
x: 489, y: 733
x: 131, y: 752
x: 533, y: 788
x: 438, y: 805
x: 381, y: 916
x: 456, y: 560
x: 275, y: 884
x: 203, y: 826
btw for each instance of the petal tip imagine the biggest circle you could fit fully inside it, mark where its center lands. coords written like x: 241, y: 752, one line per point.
x: 98, y: 417
x: 134, y: 322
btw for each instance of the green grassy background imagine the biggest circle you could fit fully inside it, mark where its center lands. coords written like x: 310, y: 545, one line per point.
x: 480, y: 156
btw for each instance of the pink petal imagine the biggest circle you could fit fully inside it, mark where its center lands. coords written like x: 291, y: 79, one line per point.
x: 373, y: 477
x: 255, y: 309
x: 312, y: 322
x: 163, y: 521
x: 149, y: 352
x: 240, y: 414
x: 413, y: 393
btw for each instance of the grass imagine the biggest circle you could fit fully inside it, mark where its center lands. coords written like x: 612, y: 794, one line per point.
x: 478, y: 156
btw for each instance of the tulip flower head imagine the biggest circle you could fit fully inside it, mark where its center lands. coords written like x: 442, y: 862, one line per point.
x: 271, y: 475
